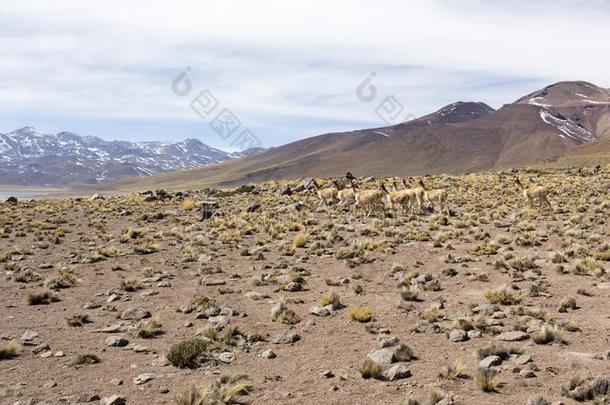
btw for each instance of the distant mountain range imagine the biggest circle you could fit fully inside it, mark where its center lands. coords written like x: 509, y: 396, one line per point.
x: 31, y: 158
x: 569, y: 119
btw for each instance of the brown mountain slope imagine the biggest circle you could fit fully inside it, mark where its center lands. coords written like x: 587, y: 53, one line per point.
x: 461, y: 137
x: 582, y: 102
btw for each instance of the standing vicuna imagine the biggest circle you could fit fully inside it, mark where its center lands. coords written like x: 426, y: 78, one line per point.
x: 327, y: 195
x: 346, y: 194
x: 404, y: 199
x: 437, y: 197
x: 535, y: 194
x: 370, y: 199
x: 420, y: 196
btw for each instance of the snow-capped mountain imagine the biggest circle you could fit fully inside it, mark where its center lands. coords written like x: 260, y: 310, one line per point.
x: 30, y: 157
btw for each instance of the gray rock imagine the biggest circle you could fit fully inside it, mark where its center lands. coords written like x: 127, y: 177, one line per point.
x: 226, y: 357
x: 397, y: 372
x: 327, y: 374
x: 91, y: 305
x: 116, y: 341
x: 318, y: 311
x: 256, y: 296
x: 255, y: 206
x: 522, y: 359
x: 268, y: 354
x: 527, y: 373
x: 143, y: 378
x: 486, y: 309
x: 135, y: 314
x: 28, y: 336
x: 490, y: 361
x: 475, y: 333
x: 388, y: 342
x: 458, y: 335
x: 512, y: 336
x: 116, y: 381
x: 382, y: 356
x: 286, y: 338
x: 113, y: 400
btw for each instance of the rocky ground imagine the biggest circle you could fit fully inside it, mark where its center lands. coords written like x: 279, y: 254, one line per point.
x: 136, y: 299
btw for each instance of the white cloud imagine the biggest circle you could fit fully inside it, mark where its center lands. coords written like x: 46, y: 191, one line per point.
x: 288, y: 61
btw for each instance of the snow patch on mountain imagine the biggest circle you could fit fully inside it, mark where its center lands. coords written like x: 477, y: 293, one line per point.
x: 568, y: 128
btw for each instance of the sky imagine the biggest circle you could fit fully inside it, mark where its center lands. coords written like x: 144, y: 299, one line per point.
x: 283, y: 70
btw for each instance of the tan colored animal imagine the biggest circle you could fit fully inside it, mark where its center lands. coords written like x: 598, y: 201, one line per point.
x: 370, y: 200
x: 534, y: 194
x: 420, y: 196
x: 327, y: 195
x: 436, y: 197
x: 345, y: 195
x: 404, y: 199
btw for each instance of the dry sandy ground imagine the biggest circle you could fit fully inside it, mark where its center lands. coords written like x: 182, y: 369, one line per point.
x: 541, y: 257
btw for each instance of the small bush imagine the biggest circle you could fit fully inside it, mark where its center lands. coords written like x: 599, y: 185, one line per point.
x: 493, y: 350
x: 453, y: 371
x: 86, y: 359
x: 547, y: 334
x: 370, y: 369
x: 148, y: 328
x: 187, y: 204
x: 188, y: 353
x: 433, y: 314
x: 331, y: 298
x: 300, y: 240
x: 487, y: 379
x: 9, y: 350
x: 567, y: 303
x: 285, y: 315
x: 78, y: 320
x: 225, y: 390
x: 361, y: 314
x: 65, y: 279
x: 130, y: 285
x: 44, y: 297
x: 500, y: 295
x: 587, y: 389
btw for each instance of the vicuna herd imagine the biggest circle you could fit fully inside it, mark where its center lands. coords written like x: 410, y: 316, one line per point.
x: 406, y: 198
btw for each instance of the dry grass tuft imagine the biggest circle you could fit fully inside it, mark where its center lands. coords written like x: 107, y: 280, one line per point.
x: 370, y: 369
x: 9, y: 350
x: 44, y: 297
x: 487, y: 379
x: 361, y: 314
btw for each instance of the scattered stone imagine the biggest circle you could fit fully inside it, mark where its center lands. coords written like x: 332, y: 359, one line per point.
x: 513, y: 336
x: 143, y: 378
x: 41, y: 348
x: 188, y: 324
x: 397, y: 372
x: 382, y: 356
x: 287, y: 337
x: 113, y: 400
x: 458, y: 335
x: 327, y: 374
x: 527, y: 373
x: 135, y: 314
x: 490, y: 361
x: 318, y: 311
x: 522, y: 359
x: 116, y: 381
x: 255, y: 206
x: 28, y: 336
x: 91, y: 305
x: 475, y: 333
x: 116, y: 341
x: 268, y: 354
x: 226, y: 357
